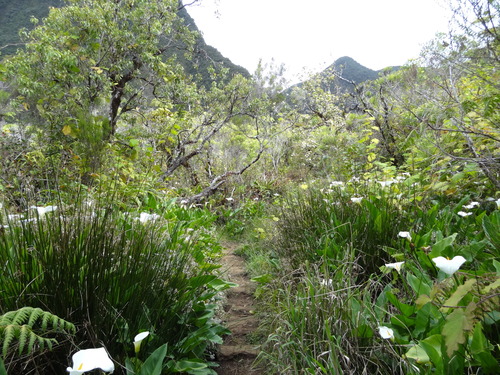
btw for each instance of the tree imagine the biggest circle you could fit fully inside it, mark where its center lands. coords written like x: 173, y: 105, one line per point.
x: 94, y: 73
x: 94, y: 60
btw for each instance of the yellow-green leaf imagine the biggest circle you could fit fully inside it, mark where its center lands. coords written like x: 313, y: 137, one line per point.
x: 457, y: 296
x: 456, y: 329
x: 67, y: 130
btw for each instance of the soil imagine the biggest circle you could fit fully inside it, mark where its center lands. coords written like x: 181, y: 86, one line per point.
x: 237, y: 354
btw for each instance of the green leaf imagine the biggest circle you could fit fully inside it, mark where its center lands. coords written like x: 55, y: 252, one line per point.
x: 481, y: 351
x: 432, y: 346
x: 494, y: 285
x: 422, y: 300
x: 262, y: 279
x: 490, y: 226
x: 418, y: 354
x: 186, y: 365
x: 426, y: 318
x: 154, y: 363
x: 407, y: 310
x: 419, y: 285
x: 496, y: 264
x: 458, y: 323
x: 457, y: 296
x: 439, y: 247
x: 3, y: 371
x: 219, y: 285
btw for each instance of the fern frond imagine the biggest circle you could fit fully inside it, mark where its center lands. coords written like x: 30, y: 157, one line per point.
x: 22, y: 325
x: 8, y: 333
x: 35, y: 314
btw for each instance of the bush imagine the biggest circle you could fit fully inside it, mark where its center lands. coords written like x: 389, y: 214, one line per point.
x: 114, y: 275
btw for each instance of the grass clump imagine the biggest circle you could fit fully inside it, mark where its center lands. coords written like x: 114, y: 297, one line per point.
x: 352, y: 271
x: 114, y: 274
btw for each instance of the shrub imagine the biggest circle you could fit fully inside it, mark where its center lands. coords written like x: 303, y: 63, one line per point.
x: 114, y: 275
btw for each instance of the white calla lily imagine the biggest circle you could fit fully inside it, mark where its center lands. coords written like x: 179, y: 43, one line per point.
x: 472, y: 205
x: 145, y: 217
x: 464, y: 214
x: 405, y: 235
x: 449, y: 266
x: 386, y: 332
x: 356, y: 199
x: 138, y: 340
x: 90, y: 359
x: 387, y: 183
x: 43, y: 210
x: 396, y: 266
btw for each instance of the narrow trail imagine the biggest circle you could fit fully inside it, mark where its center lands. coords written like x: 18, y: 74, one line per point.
x: 237, y: 354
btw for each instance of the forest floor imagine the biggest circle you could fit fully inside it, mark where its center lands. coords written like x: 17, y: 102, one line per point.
x: 237, y: 353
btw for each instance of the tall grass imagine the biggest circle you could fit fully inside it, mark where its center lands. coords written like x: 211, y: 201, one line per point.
x: 322, y: 322
x: 111, y: 274
x: 316, y: 224
x: 324, y: 307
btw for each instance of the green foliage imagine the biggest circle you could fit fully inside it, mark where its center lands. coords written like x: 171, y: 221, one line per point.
x: 28, y: 325
x: 113, y: 274
x: 342, y: 243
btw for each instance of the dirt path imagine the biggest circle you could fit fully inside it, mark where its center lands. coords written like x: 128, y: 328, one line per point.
x: 237, y: 354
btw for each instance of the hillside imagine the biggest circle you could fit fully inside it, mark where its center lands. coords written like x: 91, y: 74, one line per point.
x: 345, y: 70
x: 15, y: 15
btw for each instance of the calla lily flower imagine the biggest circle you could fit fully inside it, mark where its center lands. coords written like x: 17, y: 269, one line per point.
x: 43, y: 210
x: 386, y: 183
x: 386, y: 332
x: 138, y: 340
x: 356, y: 199
x: 396, y: 266
x: 145, y: 217
x: 405, y: 235
x: 472, y: 205
x: 90, y: 359
x: 449, y: 266
x: 336, y: 183
x: 326, y: 282
x: 463, y: 214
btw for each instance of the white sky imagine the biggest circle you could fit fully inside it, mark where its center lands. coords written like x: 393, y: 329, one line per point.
x: 309, y: 35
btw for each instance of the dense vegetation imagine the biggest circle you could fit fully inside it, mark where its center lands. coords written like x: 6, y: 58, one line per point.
x: 370, y: 219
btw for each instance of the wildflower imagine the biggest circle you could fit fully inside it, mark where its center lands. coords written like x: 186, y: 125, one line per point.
x: 464, y: 214
x: 43, y: 210
x: 230, y: 199
x: 90, y: 359
x: 356, y: 199
x: 145, y: 217
x: 472, y: 205
x: 386, y: 183
x: 304, y: 186
x: 405, y: 235
x: 138, y: 340
x: 385, y: 332
x: 396, y: 266
x: 448, y: 266
x: 336, y: 183
x: 326, y: 282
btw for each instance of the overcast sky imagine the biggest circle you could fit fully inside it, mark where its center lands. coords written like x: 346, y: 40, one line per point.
x: 309, y: 35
